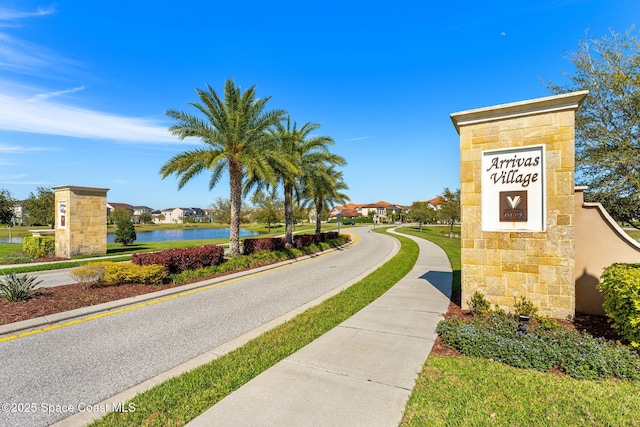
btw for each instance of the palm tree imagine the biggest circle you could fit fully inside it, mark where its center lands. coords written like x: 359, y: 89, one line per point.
x: 234, y: 131
x: 323, y: 187
x: 297, y: 153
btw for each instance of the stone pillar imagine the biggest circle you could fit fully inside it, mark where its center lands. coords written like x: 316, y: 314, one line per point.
x: 81, y: 220
x: 517, y: 197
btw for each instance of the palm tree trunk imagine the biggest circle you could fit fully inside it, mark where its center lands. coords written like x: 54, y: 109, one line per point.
x: 288, y: 212
x: 235, y: 184
x: 318, y: 214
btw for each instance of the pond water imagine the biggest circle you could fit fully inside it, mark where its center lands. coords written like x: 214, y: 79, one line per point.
x: 165, y: 235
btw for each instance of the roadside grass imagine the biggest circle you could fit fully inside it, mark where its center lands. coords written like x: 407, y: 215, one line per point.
x: 451, y: 246
x: 460, y: 390
x: 180, y: 399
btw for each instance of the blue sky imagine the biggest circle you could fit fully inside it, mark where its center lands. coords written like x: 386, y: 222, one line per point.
x: 84, y: 85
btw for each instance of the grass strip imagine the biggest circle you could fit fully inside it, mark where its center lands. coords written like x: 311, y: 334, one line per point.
x: 180, y: 399
x: 466, y: 391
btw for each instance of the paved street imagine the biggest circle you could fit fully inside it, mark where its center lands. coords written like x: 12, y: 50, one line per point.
x: 91, y: 361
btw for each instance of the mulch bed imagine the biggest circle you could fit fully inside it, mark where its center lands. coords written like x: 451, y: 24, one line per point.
x: 596, y: 326
x: 46, y: 301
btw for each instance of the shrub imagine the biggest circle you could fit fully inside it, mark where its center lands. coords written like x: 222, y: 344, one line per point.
x: 524, y: 307
x: 116, y: 273
x: 16, y: 258
x: 620, y: 286
x: 16, y: 287
x: 125, y: 233
x: 120, y: 273
x: 479, y: 305
x: 38, y: 246
x: 270, y: 244
x: 178, y: 260
x: 88, y: 274
x: 577, y: 354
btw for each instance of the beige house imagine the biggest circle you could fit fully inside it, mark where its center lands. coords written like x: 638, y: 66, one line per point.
x: 379, y: 212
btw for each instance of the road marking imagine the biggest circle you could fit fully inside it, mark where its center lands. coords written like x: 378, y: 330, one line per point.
x: 354, y: 239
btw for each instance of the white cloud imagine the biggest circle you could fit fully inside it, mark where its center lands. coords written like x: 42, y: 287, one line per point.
x: 13, y: 176
x: 23, y: 109
x: 12, y: 15
x: 12, y: 149
x: 44, y: 96
x: 54, y: 118
x: 359, y: 138
x: 23, y: 57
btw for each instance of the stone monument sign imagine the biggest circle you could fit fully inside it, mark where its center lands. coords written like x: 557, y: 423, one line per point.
x: 517, y: 197
x: 81, y: 220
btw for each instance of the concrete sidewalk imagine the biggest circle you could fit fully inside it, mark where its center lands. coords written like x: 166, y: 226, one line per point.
x: 362, y: 372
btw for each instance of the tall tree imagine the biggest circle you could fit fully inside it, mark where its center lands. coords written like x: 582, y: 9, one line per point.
x: 221, y: 208
x: 421, y: 213
x: 323, y: 186
x: 303, y: 152
x: 608, y: 122
x: 234, y: 131
x: 119, y: 214
x: 449, y: 211
x: 39, y: 208
x: 7, y: 213
x: 269, y: 207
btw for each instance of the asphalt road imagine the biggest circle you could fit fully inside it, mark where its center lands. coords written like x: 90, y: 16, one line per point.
x: 73, y: 367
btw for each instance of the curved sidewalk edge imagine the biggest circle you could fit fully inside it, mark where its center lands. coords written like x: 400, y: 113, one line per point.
x: 359, y: 373
x: 43, y: 321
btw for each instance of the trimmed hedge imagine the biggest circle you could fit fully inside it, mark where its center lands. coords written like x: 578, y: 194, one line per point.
x: 178, y: 260
x: 118, y: 273
x: 270, y: 244
x: 38, y: 246
x: 620, y: 286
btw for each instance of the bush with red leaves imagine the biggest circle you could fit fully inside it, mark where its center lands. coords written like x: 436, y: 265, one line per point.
x: 178, y: 260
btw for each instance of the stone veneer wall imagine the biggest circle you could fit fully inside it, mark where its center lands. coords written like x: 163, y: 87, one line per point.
x: 86, y: 221
x: 505, y: 265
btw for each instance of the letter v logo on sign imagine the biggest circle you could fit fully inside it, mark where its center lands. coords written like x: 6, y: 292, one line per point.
x: 514, y: 201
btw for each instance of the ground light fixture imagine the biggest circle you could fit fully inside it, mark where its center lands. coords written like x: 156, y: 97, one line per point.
x: 522, y: 324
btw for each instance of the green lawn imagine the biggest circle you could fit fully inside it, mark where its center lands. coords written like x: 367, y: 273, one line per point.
x: 465, y: 391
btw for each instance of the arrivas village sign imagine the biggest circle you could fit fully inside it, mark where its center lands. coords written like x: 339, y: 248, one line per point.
x: 513, y: 196
x: 517, y: 200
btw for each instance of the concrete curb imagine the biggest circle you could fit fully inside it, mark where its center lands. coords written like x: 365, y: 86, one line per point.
x: 12, y: 328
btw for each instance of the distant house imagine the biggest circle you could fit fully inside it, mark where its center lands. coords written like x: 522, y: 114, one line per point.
x: 138, y: 210
x: 111, y: 206
x: 380, y: 212
x: 171, y: 216
x: 435, y: 203
x: 179, y: 215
